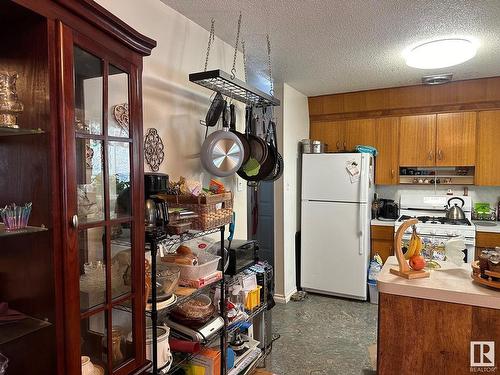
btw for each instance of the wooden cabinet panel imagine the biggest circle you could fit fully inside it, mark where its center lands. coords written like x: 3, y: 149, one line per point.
x: 488, y: 136
x: 330, y: 132
x: 384, y: 248
x: 382, y: 241
x: 486, y: 239
x: 382, y: 232
x: 456, y: 139
x: 387, y: 144
x: 359, y: 132
x: 441, y: 342
x: 417, y: 137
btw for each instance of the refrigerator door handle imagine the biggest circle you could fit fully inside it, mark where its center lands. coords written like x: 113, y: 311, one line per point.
x: 361, y: 227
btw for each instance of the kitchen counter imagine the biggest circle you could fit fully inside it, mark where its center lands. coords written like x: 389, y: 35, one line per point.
x: 487, y: 226
x: 383, y: 223
x: 449, y: 284
x: 426, y: 326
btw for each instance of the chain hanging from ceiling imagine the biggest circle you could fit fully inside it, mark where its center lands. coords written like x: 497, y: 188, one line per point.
x: 233, y: 70
x: 211, y: 39
x: 271, y: 85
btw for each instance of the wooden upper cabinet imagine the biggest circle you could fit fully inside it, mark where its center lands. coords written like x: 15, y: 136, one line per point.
x: 488, y: 141
x: 417, y: 137
x: 456, y: 139
x: 359, y: 132
x: 330, y: 132
x: 387, y: 144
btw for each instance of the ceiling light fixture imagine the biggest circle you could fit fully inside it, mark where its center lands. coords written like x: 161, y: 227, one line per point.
x: 441, y: 53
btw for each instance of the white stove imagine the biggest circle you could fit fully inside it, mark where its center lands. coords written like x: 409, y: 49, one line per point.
x: 433, y: 225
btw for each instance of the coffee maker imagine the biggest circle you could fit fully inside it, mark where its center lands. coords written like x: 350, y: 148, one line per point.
x: 156, y: 209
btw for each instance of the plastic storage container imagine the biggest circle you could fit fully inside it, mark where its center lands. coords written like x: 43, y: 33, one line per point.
x: 253, y: 298
x: 373, y: 290
x: 207, y: 264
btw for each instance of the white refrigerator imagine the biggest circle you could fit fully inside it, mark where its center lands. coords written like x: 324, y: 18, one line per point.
x: 337, y: 192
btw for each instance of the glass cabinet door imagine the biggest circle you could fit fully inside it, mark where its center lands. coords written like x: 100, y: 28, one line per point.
x: 103, y: 191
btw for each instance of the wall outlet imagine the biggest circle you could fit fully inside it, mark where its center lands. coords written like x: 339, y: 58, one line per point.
x: 239, y: 185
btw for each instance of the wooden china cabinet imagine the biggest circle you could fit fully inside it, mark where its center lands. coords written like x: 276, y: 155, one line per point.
x: 77, y: 156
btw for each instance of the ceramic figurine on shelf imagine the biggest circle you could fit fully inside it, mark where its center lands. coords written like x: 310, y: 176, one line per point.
x: 10, y: 106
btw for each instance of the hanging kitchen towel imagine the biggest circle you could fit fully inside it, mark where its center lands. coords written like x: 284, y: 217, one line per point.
x: 366, y: 149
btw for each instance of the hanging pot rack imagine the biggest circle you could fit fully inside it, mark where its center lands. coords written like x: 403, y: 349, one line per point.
x: 230, y: 86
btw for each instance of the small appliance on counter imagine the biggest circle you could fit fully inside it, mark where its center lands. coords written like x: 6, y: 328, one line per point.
x: 242, y: 254
x: 156, y: 209
x: 387, y: 209
x: 201, y: 334
x: 311, y: 146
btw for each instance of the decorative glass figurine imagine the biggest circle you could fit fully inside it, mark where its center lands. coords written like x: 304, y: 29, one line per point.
x: 10, y: 106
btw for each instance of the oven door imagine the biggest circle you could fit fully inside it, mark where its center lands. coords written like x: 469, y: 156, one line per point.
x: 434, y: 245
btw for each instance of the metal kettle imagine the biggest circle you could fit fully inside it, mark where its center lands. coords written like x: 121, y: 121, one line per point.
x: 156, y: 212
x: 455, y: 212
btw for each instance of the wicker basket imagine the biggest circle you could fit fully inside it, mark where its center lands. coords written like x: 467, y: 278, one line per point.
x: 213, y: 210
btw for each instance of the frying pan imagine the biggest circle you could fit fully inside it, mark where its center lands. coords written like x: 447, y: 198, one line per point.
x: 241, y: 136
x: 222, y: 151
x: 258, y: 147
x: 278, y: 168
x: 268, y: 166
x: 215, y: 110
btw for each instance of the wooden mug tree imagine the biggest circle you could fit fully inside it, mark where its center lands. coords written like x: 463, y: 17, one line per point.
x: 404, y: 269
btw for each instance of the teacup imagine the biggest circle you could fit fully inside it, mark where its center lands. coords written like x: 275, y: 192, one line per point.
x: 87, y: 366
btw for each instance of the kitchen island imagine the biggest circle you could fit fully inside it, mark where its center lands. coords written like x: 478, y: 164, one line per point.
x: 426, y: 325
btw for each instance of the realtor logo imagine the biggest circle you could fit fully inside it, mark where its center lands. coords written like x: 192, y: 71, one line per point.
x: 482, y: 354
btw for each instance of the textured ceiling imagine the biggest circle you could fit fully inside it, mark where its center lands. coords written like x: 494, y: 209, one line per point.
x: 330, y: 46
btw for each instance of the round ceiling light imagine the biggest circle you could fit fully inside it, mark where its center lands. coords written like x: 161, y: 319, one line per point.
x: 441, y: 53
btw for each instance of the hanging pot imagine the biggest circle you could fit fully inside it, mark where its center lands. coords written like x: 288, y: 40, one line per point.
x: 279, y: 165
x: 222, y: 152
x: 258, y: 149
x: 215, y: 110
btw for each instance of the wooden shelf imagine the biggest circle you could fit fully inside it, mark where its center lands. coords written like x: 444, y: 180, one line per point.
x: 7, y: 132
x: 19, y: 232
x: 10, y: 332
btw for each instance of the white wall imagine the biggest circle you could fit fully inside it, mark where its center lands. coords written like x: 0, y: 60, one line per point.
x: 171, y: 103
x: 294, y: 127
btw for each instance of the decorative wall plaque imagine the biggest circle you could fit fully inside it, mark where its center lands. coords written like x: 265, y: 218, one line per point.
x: 153, y: 149
x: 120, y: 114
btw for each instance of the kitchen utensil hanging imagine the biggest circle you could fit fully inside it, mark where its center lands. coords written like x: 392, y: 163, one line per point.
x: 279, y: 165
x: 258, y: 149
x: 222, y: 151
x: 241, y: 136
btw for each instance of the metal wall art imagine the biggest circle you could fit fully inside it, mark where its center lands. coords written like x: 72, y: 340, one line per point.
x: 153, y: 149
x: 120, y: 114
x: 10, y: 106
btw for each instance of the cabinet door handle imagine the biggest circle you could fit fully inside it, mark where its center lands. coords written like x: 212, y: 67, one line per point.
x: 74, y: 221
x: 440, y: 155
x: 338, y: 145
x: 430, y: 155
x: 344, y: 146
x: 392, y: 173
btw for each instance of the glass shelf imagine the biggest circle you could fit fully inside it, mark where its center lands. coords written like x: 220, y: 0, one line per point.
x: 19, y: 232
x: 13, y: 331
x: 6, y: 132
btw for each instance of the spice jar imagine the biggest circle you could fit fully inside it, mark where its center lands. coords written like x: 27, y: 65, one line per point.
x: 483, y: 260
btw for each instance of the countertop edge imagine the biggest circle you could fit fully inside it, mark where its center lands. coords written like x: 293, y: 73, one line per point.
x: 487, y: 228
x: 382, y: 223
x: 437, y: 295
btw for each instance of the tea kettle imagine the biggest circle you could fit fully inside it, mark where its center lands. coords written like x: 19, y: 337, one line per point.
x: 156, y: 214
x: 455, y: 212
